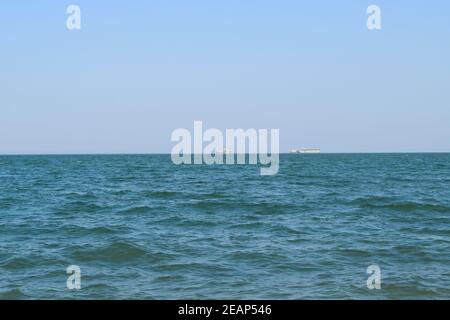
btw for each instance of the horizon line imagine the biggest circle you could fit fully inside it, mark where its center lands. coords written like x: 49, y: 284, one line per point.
x: 162, y: 153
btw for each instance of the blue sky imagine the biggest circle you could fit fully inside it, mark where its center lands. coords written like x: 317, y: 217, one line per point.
x: 137, y: 70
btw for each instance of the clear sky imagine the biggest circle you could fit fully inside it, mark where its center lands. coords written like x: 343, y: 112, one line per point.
x: 137, y: 70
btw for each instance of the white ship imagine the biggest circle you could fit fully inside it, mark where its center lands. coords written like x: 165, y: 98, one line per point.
x: 305, y: 150
x: 225, y: 151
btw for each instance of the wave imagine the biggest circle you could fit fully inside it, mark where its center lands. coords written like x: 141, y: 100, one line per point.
x: 80, y: 230
x: 12, y: 294
x: 193, y: 266
x: 116, y: 252
x: 79, y: 206
x: 137, y: 210
x: 197, y: 223
x: 377, y: 202
x: 162, y: 194
x: 18, y: 263
x: 260, y: 207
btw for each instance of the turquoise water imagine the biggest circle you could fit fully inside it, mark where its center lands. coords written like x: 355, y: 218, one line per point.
x: 141, y: 227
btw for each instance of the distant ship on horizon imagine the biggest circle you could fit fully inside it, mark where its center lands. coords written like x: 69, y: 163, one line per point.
x: 224, y: 151
x: 305, y: 150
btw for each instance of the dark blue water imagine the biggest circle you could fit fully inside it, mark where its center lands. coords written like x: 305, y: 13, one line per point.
x: 142, y: 227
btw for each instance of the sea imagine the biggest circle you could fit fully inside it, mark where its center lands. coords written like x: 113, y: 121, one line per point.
x: 141, y: 227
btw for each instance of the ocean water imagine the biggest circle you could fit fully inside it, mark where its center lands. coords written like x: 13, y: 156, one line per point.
x: 140, y: 227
